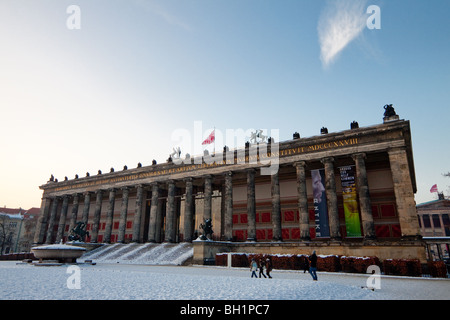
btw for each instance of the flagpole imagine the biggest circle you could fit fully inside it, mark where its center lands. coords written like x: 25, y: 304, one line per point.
x: 214, y: 150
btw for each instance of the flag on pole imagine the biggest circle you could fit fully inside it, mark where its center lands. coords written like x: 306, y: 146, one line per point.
x: 211, y: 138
x: 434, y: 188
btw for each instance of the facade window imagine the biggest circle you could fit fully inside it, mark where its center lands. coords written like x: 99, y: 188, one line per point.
x: 445, y: 220
x: 426, y: 221
x: 436, y: 221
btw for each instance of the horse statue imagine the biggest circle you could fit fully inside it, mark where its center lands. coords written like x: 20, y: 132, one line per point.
x: 207, y: 230
x: 254, y: 136
x: 389, y: 111
x: 79, y: 233
x: 176, y: 153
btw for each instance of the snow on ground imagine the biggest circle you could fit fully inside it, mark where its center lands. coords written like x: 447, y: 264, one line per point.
x: 148, y: 253
x: 138, y: 282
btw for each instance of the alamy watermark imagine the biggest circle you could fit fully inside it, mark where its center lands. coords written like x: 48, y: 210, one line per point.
x: 74, y: 280
x: 374, y: 281
x: 374, y: 21
x: 73, y: 21
x: 261, y: 147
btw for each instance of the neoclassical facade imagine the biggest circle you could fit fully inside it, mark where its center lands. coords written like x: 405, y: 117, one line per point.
x: 367, y: 186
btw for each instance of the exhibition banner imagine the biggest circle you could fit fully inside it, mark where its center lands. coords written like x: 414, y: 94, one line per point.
x: 320, y: 203
x: 352, y: 221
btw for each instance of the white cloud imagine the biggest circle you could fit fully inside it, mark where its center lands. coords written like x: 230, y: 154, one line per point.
x: 340, y: 23
x: 163, y: 13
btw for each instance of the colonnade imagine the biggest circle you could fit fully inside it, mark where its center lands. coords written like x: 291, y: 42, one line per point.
x: 400, y: 176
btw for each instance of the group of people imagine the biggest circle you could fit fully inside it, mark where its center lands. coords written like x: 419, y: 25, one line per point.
x: 263, y: 265
x: 310, y: 265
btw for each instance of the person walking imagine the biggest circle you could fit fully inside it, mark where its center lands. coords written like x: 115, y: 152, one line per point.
x: 268, y: 267
x: 253, y: 268
x: 313, y: 265
x: 305, y: 264
x: 262, y: 265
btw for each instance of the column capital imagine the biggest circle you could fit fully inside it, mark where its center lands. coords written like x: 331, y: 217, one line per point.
x: 393, y: 150
x: 155, y: 186
x: 228, y: 173
x: 359, y: 155
x: 250, y: 170
x: 86, y: 193
x: 299, y: 164
x: 327, y: 160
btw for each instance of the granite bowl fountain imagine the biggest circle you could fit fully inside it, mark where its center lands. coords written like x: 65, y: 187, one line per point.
x: 62, y: 253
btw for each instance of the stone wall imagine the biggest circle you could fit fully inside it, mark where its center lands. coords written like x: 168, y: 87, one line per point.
x: 205, y: 251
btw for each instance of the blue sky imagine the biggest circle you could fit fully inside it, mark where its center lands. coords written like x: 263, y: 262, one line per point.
x: 113, y: 92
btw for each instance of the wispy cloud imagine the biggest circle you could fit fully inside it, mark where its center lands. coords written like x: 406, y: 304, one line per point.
x: 340, y: 23
x: 157, y: 9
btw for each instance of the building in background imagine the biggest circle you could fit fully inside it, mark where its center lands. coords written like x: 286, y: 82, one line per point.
x: 434, y: 217
x: 434, y: 222
x: 17, y: 228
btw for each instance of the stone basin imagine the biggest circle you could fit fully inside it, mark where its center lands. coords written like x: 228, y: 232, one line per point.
x: 61, y: 252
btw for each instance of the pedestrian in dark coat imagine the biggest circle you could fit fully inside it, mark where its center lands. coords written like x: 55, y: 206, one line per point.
x: 268, y: 267
x: 313, y: 265
x: 305, y: 264
x: 262, y: 265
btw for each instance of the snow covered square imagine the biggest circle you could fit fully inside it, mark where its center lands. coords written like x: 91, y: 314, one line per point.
x: 118, y: 281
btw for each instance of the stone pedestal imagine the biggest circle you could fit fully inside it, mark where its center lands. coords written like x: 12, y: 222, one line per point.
x: 390, y: 118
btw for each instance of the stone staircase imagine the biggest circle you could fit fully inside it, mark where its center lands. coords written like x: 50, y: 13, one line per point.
x: 142, y: 253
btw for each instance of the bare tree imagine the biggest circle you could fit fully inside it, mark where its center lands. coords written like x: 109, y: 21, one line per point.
x: 6, y: 232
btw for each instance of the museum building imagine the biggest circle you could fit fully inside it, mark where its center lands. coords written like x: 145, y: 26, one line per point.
x: 349, y: 192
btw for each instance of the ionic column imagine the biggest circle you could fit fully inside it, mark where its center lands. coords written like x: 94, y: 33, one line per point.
x: 188, y: 212
x: 42, y: 221
x: 404, y: 194
x: 364, y: 196
x: 73, y: 217
x: 97, y: 215
x: 109, y: 216
x: 170, y: 213
x: 51, y: 222
x: 123, y: 215
x: 276, y: 207
x: 330, y: 187
x: 302, y: 200
x: 62, y: 219
x: 251, y: 206
x: 138, y: 214
x: 153, y: 213
x: 228, y: 230
x: 87, y: 204
x: 208, y: 198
